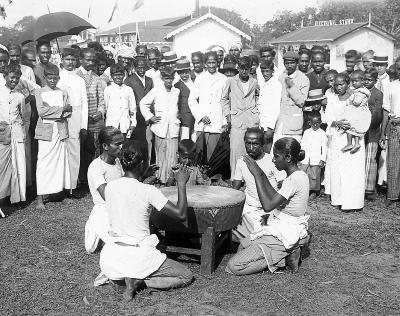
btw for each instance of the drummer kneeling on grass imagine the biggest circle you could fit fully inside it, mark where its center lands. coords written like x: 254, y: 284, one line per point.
x: 278, y: 243
x: 252, y: 210
x: 131, y: 252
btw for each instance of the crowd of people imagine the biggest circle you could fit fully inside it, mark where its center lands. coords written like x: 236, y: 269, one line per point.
x: 102, y: 117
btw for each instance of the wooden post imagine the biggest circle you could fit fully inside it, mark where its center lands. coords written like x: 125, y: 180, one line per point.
x: 208, y: 251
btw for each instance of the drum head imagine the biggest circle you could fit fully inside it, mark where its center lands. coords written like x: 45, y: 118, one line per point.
x: 202, y: 196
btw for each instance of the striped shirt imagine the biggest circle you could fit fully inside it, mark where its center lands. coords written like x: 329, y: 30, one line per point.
x: 95, y: 96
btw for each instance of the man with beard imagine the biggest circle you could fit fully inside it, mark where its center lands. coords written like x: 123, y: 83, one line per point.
x: 252, y: 210
x: 44, y: 53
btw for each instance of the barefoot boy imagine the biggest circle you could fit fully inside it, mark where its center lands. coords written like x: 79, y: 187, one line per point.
x: 52, y: 173
x: 120, y: 102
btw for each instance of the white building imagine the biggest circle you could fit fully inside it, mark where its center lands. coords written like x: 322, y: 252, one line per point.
x: 337, y: 39
x: 182, y: 34
x: 203, y: 32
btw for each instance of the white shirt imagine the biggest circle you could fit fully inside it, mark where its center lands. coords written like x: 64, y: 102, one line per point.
x: 245, y: 86
x: 269, y: 102
x: 242, y: 173
x: 76, y: 89
x: 384, y: 88
x: 165, y: 106
x: 120, y: 106
x: 28, y: 74
x: 295, y: 189
x: 314, y: 143
x: 128, y: 204
x: 155, y: 75
x: 208, y: 88
x: 393, y: 106
x: 100, y: 173
x: 128, y: 208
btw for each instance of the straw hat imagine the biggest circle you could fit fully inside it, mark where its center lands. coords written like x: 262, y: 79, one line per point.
x: 182, y: 64
x: 315, y: 95
x: 169, y: 57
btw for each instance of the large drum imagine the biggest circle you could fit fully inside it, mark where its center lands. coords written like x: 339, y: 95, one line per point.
x: 212, y: 212
x: 208, y: 206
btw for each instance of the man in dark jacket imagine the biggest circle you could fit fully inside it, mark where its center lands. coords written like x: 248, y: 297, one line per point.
x: 141, y: 85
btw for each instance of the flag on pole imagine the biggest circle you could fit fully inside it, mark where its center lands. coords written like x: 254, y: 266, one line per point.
x: 137, y: 5
x: 113, y: 10
x: 3, y: 4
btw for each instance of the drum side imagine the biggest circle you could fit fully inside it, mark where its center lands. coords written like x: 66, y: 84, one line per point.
x: 221, y: 218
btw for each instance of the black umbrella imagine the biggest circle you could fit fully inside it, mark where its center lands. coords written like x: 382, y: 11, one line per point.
x: 50, y: 26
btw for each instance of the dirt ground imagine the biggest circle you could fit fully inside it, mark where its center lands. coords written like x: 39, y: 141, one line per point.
x: 353, y: 269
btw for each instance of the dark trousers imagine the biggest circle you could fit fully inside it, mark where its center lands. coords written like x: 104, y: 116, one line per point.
x: 90, y: 149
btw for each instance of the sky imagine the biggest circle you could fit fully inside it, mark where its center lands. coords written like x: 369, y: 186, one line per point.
x: 257, y: 11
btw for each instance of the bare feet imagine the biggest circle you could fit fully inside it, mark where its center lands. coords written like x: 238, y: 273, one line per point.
x: 347, y: 147
x: 356, y: 148
x: 39, y: 203
x: 132, y: 285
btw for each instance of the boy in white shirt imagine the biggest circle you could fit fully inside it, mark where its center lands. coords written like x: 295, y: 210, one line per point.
x: 314, y: 143
x: 120, y: 102
x: 164, y: 122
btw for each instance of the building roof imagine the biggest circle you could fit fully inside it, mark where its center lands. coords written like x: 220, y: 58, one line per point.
x: 196, y: 21
x: 327, y: 33
x: 159, y: 31
x: 149, y: 31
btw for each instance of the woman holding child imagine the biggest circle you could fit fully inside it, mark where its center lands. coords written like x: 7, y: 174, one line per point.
x: 347, y: 170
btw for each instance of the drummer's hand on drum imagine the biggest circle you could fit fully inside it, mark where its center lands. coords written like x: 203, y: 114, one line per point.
x: 182, y: 175
x: 254, y: 169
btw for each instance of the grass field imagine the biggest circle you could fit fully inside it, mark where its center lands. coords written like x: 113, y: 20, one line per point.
x: 353, y: 269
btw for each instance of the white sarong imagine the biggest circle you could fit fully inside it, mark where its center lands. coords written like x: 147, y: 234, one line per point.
x: 124, y: 257
x: 74, y: 156
x: 286, y: 228
x: 96, y: 228
x: 52, y: 172
x: 13, y: 171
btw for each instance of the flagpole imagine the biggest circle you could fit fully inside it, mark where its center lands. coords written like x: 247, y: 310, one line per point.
x: 58, y: 46
x: 119, y: 35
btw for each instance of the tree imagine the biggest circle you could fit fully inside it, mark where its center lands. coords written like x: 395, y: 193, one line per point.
x: 12, y: 34
x: 229, y: 16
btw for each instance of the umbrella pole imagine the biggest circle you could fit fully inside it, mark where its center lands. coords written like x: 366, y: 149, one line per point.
x: 58, y: 46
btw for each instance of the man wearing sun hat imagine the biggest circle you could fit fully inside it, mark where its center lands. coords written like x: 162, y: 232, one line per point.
x: 380, y: 62
x: 295, y: 86
x: 169, y: 59
x: 185, y: 85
